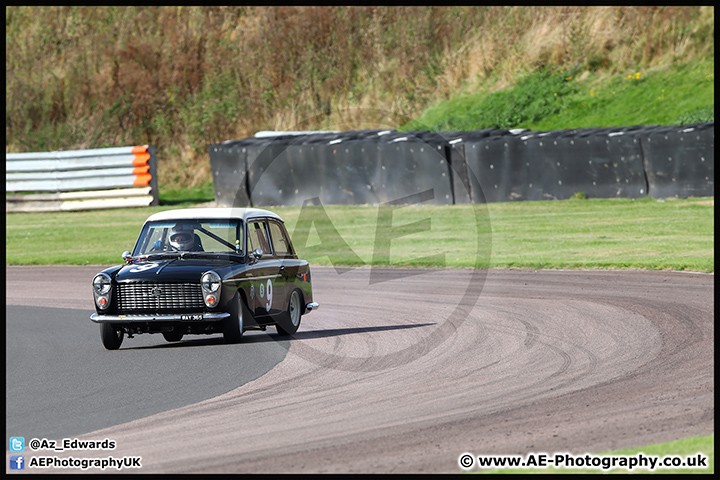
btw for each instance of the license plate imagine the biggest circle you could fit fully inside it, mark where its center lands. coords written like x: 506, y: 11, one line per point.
x: 191, y: 317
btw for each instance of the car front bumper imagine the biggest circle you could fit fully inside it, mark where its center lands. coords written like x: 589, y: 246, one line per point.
x: 185, y: 318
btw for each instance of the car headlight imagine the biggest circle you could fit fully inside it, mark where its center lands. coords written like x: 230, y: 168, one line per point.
x: 102, y: 283
x: 210, y: 281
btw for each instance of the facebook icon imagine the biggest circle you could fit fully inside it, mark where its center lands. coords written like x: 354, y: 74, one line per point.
x: 17, y: 462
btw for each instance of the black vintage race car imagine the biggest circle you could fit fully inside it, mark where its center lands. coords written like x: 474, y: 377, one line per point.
x: 204, y: 271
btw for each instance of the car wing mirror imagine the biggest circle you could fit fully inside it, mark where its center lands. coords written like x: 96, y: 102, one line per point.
x: 127, y: 256
x: 255, y: 255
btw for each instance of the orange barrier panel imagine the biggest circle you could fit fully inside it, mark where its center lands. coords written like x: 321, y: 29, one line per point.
x: 141, y: 159
x: 102, y: 173
x: 142, y: 180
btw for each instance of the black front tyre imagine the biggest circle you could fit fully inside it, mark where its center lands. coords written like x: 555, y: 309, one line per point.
x: 112, y: 336
x: 290, y: 322
x: 233, y: 325
x: 173, y: 336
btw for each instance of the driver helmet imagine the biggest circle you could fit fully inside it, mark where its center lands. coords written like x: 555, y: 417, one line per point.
x: 182, y: 238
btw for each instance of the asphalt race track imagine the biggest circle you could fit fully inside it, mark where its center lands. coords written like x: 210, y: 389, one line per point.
x: 399, y: 375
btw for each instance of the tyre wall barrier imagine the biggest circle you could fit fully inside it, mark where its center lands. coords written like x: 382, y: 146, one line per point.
x: 81, y: 179
x: 680, y: 161
x: 230, y: 172
x: 557, y: 165
x: 380, y: 166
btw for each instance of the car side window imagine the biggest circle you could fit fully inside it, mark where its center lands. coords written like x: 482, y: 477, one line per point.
x: 257, y: 237
x: 278, y: 236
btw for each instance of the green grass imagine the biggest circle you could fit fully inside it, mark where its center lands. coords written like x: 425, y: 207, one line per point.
x: 533, y: 98
x: 605, y: 233
x: 597, y: 233
x: 665, y: 97
x: 686, y: 448
x: 187, y: 196
x: 553, y: 100
x: 672, y: 234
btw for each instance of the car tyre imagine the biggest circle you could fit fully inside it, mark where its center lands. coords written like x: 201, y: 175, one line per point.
x: 173, y: 336
x: 233, y: 325
x: 112, y: 336
x: 290, y: 322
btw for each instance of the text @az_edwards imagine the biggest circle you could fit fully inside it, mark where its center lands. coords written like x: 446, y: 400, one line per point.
x: 19, y: 460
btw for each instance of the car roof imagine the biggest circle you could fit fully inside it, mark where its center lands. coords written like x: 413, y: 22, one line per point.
x: 213, y: 213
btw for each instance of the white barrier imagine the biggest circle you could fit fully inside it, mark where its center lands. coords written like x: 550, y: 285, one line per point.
x: 81, y: 179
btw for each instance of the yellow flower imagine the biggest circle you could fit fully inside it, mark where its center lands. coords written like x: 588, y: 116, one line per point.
x: 638, y: 75
x: 592, y: 93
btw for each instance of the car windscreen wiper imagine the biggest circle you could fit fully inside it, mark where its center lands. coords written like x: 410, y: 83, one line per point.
x: 229, y: 255
x: 236, y: 257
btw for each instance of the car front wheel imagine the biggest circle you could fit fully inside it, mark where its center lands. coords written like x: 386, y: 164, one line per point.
x: 233, y: 325
x: 290, y: 322
x: 112, y: 336
x: 173, y: 336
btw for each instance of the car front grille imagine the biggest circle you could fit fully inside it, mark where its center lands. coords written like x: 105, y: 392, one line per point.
x: 159, y: 297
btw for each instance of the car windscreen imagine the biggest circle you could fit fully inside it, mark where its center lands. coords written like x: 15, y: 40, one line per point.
x: 217, y: 236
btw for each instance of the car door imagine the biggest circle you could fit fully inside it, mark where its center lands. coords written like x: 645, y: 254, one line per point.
x: 289, y: 264
x: 268, y: 282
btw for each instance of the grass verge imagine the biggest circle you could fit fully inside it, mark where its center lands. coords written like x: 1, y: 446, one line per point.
x: 670, y: 234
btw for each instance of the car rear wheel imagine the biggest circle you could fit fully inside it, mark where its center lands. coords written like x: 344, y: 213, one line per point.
x: 173, y: 336
x: 290, y: 322
x: 233, y: 325
x: 112, y: 336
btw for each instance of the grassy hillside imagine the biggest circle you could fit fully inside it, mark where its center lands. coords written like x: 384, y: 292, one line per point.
x: 553, y: 99
x: 182, y: 78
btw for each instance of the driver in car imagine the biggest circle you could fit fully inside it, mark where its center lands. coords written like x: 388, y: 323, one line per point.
x: 184, y: 239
